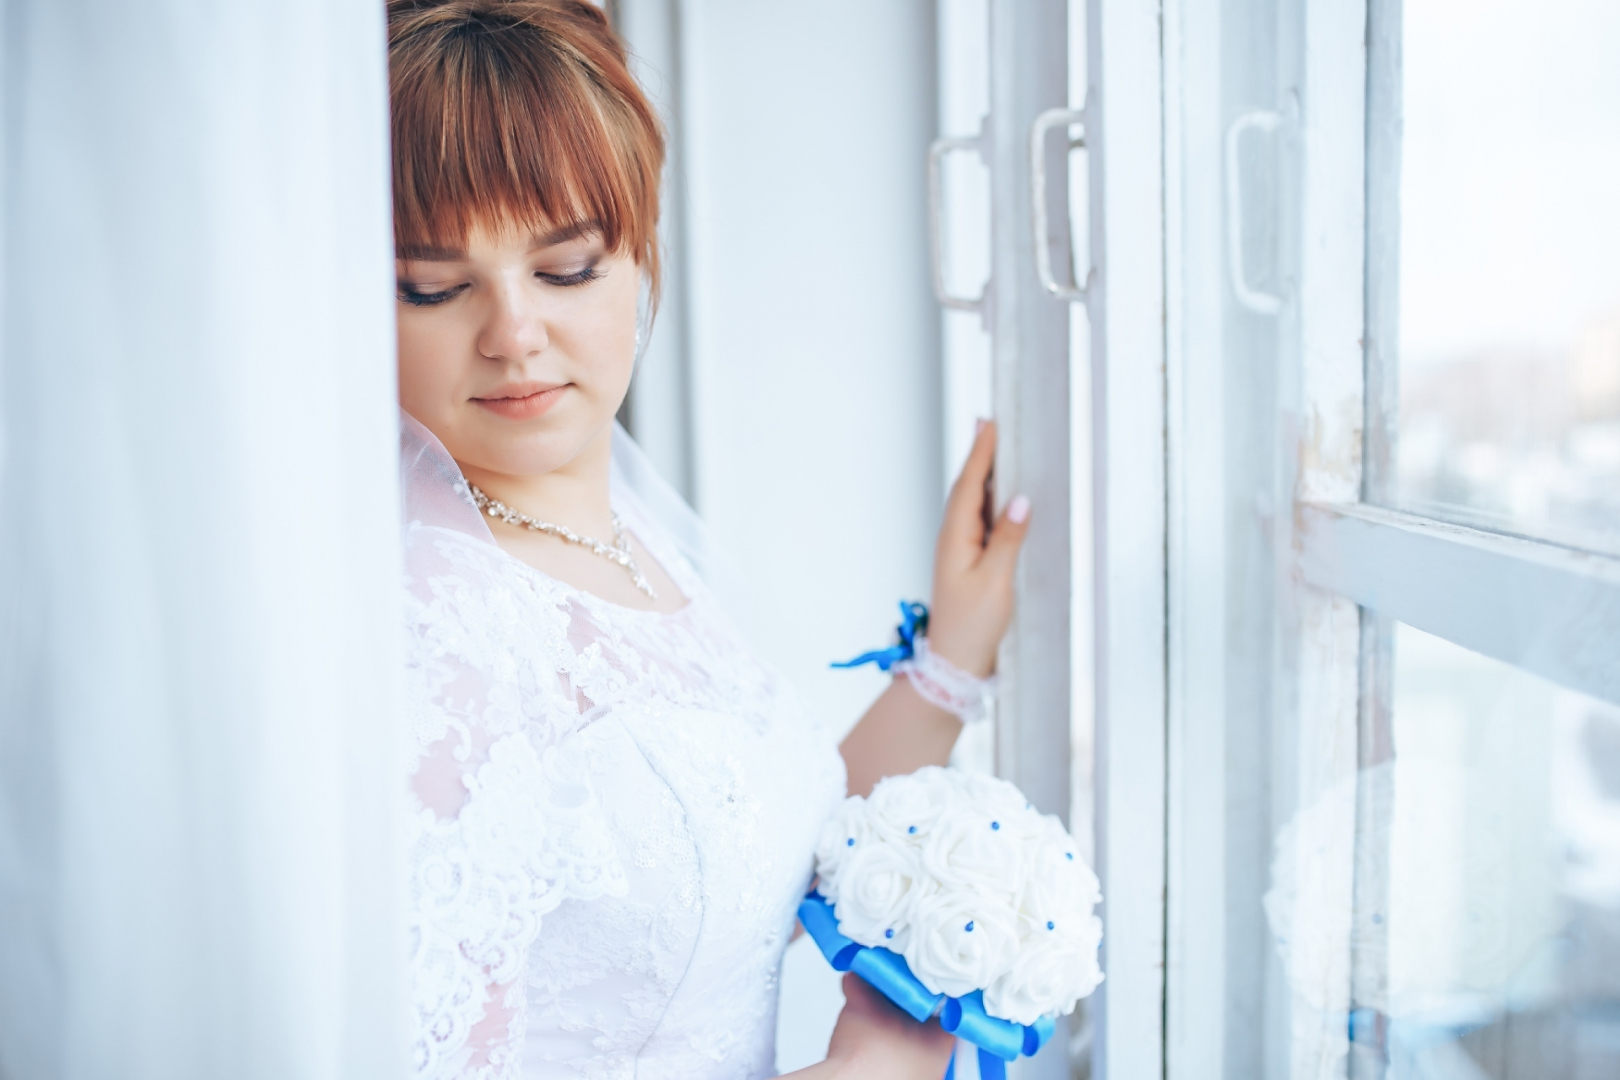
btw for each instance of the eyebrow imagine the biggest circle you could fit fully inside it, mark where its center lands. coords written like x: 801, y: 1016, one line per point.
x: 430, y: 253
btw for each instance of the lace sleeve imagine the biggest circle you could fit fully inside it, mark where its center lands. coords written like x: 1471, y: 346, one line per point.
x: 504, y: 826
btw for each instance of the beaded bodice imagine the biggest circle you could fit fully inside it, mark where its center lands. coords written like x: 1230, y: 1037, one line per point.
x: 615, y: 818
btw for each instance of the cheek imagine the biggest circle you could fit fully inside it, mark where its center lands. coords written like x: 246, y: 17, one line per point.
x: 427, y: 372
x: 605, y: 337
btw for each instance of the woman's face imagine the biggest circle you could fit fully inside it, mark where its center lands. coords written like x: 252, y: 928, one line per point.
x: 517, y: 350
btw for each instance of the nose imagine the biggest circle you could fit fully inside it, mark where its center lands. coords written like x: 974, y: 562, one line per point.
x: 515, y: 328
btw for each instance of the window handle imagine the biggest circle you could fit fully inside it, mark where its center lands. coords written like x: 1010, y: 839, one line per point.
x: 1074, y: 293
x: 1253, y: 299
x: 936, y: 214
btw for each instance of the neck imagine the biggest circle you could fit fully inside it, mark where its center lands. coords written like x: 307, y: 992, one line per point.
x: 574, y: 494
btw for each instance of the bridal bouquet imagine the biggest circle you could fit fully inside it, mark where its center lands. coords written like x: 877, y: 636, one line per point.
x: 949, y: 892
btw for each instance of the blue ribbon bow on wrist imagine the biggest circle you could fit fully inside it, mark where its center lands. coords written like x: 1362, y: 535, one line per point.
x: 999, y: 1041
x: 913, y: 624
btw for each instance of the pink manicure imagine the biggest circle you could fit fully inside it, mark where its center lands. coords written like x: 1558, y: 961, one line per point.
x: 978, y: 425
x: 1018, y: 510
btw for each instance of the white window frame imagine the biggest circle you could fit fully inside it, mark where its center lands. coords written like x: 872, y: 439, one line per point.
x: 1344, y: 570
x: 1312, y: 675
x: 1549, y: 610
x: 1127, y: 310
x: 1099, y: 448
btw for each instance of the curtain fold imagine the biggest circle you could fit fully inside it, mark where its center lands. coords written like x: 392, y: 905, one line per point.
x: 199, y: 565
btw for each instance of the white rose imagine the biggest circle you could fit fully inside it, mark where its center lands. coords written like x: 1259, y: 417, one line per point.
x: 847, y: 828
x: 878, y: 885
x: 1049, y: 976
x: 1048, y: 829
x: 1059, y: 886
x: 966, y: 850
x: 992, y: 796
x: 961, y: 941
x: 905, y: 808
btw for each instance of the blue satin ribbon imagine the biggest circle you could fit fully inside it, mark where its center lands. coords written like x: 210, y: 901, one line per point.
x: 998, y: 1041
x: 913, y: 624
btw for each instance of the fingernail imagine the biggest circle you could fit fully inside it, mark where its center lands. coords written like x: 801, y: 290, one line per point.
x: 978, y: 425
x: 1018, y: 510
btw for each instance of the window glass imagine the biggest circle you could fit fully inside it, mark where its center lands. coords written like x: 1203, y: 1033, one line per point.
x: 1488, y: 891
x: 1503, y: 387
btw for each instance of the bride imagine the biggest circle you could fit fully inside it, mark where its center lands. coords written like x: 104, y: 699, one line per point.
x: 616, y: 803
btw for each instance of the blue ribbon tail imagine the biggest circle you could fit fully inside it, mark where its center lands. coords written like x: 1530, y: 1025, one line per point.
x: 990, y: 1066
x: 950, y: 1068
x: 965, y: 1018
x: 913, y: 621
x: 883, y: 658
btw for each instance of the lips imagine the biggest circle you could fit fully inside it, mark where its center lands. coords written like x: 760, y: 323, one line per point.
x: 522, y: 402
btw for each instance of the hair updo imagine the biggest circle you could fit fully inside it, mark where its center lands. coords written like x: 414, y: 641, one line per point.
x: 519, y: 113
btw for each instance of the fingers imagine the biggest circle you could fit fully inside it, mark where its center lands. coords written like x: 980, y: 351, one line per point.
x: 860, y: 995
x: 862, y: 998
x: 863, y: 1002
x: 963, y: 529
x: 856, y: 992
x: 1007, y: 538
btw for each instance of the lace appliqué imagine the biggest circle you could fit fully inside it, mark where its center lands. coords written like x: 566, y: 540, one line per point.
x: 636, y: 782
x: 529, y: 836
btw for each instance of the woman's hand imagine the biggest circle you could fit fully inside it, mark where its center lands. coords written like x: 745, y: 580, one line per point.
x: 972, y: 606
x: 973, y: 573
x: 874, y: 1039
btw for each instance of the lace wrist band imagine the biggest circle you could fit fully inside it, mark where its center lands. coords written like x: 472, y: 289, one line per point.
x: 940, y: 682
x: 936, y: 680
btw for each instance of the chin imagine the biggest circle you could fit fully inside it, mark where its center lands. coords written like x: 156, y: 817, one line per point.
x: 529, y: 453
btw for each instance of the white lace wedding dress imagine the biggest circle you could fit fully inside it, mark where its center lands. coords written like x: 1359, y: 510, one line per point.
x: 615, y: 814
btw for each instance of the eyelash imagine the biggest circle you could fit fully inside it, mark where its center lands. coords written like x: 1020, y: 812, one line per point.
x: 420, y: 299
x: 578, y: 277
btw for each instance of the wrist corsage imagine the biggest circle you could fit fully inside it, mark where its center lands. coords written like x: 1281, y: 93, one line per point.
x: 936, y: 680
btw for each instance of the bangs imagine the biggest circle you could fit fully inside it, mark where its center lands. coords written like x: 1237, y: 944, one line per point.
x: 519, y: 114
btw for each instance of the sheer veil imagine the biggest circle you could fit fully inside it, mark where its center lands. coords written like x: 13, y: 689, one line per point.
x: 434, y: 493
x: 637, y: 484
x: 432, y: 490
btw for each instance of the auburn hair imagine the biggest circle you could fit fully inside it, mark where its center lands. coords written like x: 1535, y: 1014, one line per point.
x: 519, y: 113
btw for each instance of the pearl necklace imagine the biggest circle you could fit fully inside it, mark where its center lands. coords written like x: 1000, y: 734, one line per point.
x: 618, y: 551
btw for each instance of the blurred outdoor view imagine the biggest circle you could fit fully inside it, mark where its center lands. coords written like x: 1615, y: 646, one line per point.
x: 1489, y: 925
x: 1509, y: 372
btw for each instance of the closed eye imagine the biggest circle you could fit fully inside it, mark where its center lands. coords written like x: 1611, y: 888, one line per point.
x: 578, y: 277
x: 410, y: 294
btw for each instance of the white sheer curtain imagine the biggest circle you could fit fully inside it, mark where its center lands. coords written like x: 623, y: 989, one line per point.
x: 198, y: 543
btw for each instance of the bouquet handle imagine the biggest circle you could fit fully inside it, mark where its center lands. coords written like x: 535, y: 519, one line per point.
x: 998, y: 1041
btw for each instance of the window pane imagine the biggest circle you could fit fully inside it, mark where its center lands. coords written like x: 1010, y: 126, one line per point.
x: 1489, y: 879
x: 1497, y: 129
